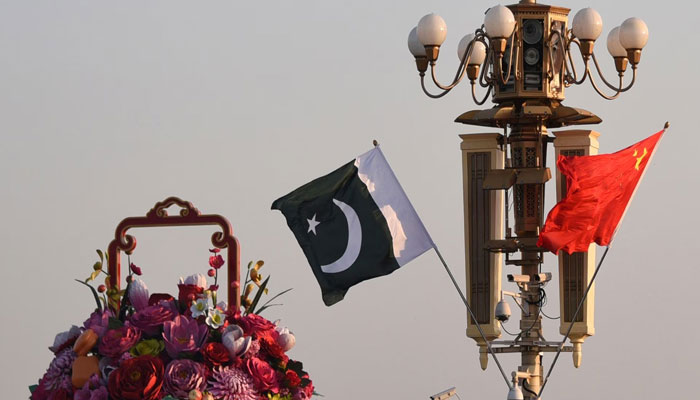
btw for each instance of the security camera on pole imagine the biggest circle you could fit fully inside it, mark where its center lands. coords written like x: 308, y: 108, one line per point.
x: 522, y: 56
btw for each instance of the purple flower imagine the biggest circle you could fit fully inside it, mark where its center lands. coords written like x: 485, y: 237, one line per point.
x: 230, y: 383
x: 98, y: 322
x: 183, y: 376
x: 116, y: 342
x: 183, y: 335
x: 94, y: 389
x: 57, y: 377
x: 151, y: 318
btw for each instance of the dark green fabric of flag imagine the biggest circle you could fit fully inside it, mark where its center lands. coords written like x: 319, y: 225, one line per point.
x: 331, y: 236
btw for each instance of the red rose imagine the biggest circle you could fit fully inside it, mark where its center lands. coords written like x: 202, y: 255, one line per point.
x: 292, y: 379
x: 263, y: 375
x: 139, y: 378
x: 253, y: 324
x: 188, y: 293
x: 215, y: 354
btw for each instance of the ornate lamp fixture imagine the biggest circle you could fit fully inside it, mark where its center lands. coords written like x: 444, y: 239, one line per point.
x: 524, y: 51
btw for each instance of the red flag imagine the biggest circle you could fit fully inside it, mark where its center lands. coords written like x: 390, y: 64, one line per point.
x: 599, y: 189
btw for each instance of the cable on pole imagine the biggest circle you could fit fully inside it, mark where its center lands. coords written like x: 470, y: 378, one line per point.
x: 471, y: 313
x: 573, y: 319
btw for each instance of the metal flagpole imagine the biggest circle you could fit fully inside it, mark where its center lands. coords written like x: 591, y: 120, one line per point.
x: 471, y: 313
x: 571, y: 325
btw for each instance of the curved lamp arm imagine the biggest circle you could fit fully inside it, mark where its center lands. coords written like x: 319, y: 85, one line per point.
x: 427, y: 93
x: 504, y: 80
x: 488, y: 93
x: 600, y: 74
x: 573, y: 79
x: 603, y: 95
x: 460, y: 71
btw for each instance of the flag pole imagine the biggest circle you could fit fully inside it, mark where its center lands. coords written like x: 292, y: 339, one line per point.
x: 471, y: 313
x: 573, y: 319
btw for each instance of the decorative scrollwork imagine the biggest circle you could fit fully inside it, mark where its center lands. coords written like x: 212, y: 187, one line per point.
x: 161, y: 208
x: 188, y: 216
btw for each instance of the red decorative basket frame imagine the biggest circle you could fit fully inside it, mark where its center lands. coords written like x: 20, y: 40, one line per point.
x: 189, y: 215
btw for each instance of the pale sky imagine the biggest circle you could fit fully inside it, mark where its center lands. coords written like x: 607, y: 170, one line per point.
x: 108, y: 107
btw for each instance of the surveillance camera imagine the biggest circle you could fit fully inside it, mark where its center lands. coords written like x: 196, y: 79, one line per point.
x: 545, y: 277
x: 444, y: 395
x: 518, y: 278
x: 502, y: 311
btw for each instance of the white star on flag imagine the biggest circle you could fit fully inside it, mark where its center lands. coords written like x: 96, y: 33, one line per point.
x: 312, y: 224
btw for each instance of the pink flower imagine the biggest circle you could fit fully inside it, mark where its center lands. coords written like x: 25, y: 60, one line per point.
x: 216, y: 261
x: 230, y: 383
x: 263, y: 375
x: 116, y: 342
x: 138, y: 294
x: 183, y: 335
x: 183, y: 376
x: 151, y: 318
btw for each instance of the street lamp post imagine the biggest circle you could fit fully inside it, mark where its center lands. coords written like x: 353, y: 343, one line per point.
x: 522, y: 56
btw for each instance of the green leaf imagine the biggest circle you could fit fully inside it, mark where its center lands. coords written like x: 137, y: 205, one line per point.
x: 296, y: 366
x: 169, y: 397
x: 32, y: 388
x: 94, y: 293
x: 114, y: 323
x: 275, y: 296
x: 261, y: 289
x: 265, y: 307
x: 99, y: 253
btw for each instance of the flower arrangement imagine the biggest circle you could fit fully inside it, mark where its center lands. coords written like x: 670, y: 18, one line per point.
x: 191, y: 347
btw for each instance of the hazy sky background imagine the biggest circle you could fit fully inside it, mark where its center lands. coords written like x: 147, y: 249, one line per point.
x: 108, y: 107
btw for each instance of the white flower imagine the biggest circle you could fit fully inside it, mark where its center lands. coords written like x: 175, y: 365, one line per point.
x: 215, y: 319
x: 138, y: 294
x: 233, y: 340
x: 196, y: 279
x: 286, y: 338
x: 199, y: 307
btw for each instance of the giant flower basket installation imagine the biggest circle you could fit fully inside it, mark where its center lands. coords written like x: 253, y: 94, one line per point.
x: 138, y: 345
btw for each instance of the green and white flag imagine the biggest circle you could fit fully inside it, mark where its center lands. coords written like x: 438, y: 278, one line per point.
x: 354, y: 224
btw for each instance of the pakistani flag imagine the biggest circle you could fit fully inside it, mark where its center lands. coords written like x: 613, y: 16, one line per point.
x: 353, y: 224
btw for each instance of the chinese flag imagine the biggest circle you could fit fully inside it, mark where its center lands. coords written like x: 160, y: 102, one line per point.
x: 599, y: 189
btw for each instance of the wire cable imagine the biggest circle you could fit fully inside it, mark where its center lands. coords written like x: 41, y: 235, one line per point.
x: 506, y: 330
x: 471, y: 313
x: 547, y: 316
x: 527, y: 389
x: 571, y: 325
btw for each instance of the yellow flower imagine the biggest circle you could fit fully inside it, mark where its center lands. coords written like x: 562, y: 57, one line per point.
x: 151, y: 347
